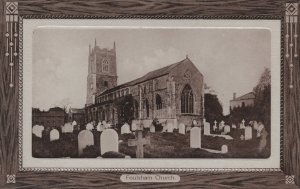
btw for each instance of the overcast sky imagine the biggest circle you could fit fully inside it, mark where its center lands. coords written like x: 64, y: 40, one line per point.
x: 231, y: 60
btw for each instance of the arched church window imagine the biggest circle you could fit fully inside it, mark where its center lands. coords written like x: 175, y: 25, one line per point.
x: 187, y: 100
x: 105, y: 65
x: 146, y: 106
x: 158, y: 102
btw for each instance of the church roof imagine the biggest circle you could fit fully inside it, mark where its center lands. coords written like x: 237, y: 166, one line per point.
x: 150, y: 75
x: 245, y: 97
x: 76, y: 110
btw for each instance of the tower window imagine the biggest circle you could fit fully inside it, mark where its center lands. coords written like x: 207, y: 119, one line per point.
x: 105, y: 65
x: 158, y: 102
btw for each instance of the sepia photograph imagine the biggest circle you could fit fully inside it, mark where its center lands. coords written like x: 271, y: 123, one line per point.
x: 151, y: 93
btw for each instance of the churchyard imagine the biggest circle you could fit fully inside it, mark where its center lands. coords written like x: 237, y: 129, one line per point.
x: 217, y: 140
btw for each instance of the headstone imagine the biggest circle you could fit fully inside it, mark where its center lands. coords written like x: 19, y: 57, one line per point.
x: 100, y: 127
x: 206, y: 128
x: 233, y: 126
x: 242, y: 137
x: 125, y: 129
x: 181, y: 128
x: 107, y: 126
x: 109, y: 141
x: 89, y: 127
x: 215, y: 125
x: 195, y: 137
x: 74, y: 123
x: 260, y: 129
x: 224, y: 149
x: 227, y: 129
x: 54, y: 135
x: 255, y: 125
x: 85, y: 138
x: 37, y: 130
x: 195, y: 122
x: 221, y: 125
x: 133, y: 125
x: 248, y: 133
x: 104, y: 122
x: 152, y: 128
x: 68, y: 128
x: 139, y: 142
x: 170, y: 127
x: 242, y: 126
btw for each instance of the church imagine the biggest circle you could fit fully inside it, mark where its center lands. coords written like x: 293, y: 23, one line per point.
x: 174, y: 93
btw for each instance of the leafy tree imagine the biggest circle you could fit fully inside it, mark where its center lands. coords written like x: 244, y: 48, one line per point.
x: 213, y: 108
x: 262, y: 103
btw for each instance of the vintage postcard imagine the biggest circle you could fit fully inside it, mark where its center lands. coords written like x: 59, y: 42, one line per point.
x: 151, y: 93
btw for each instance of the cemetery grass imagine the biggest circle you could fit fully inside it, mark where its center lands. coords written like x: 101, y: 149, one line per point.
x: 163, y: 145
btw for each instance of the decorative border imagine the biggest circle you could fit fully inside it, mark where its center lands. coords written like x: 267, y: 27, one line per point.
x: 11, y: 51
x: 10, y: 179
x: 289, y: 179
x: 145, y: 169
x: 291, y: 37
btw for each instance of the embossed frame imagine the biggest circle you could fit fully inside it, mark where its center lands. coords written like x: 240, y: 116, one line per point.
x: 289, y: 85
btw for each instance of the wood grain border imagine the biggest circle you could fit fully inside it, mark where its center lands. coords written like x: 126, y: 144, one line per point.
x: 237, y: 9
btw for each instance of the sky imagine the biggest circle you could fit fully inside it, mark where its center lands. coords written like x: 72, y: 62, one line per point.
x: 231, y: 60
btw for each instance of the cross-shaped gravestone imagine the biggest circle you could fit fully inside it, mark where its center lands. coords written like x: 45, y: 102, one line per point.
x: 139, y: 142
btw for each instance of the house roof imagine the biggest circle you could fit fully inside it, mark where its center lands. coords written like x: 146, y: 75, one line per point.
x: 245, y: 97
x: 150, y: 75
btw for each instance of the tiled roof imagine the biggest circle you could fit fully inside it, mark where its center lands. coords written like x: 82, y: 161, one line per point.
x: 245, y: 97
x: 150, y: 75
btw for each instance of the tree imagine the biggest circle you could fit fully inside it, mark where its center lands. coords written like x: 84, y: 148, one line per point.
x: 262, y: 102
x: 213, y: 108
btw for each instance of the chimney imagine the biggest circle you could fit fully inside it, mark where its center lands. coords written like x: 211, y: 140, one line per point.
x: 234, y: 96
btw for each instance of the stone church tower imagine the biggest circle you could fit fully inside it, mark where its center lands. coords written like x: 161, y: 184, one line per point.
x: 102, y: 71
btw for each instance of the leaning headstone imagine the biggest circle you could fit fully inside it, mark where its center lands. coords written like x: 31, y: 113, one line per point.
x: 206, y: 128
x: 170, y: 127
x: 224, y: 149
x: 37, y: 130
x: 125, y: 129
x: 109, y: 141
x: 248, y: 133
x: 152, y: 128
x: 85, y: 138
x: 89, y: 127
x: 195, y: 137
x: 181, y: 128
x: 227, y: 129
x: 54, y: 135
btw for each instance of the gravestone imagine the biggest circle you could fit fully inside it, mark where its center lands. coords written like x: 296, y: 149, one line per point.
x: 227, y: 129
x: 233, y: 126
x: 260, y: 128
x: 37, y: 130
x: 181, y: 128
x: 125, y: 129
x: 242, y: 137
x: 263, y: 140
x: 224, y: 149
x: 85, y: 138
x: 152, y: 128
x: 195, y: 123
x: 54, y: 135
x: 221, y: 125
x: 170, y: 127
x: 215, y: 125
x: 206, y: 128
x: 242, y: 126
x: 133, y: 125
x: 107, y: 126
x: 139, y: 142
x: 100, y: 127
x: 109, y: 141
x: 248, y: 133
x: 68, y: 128
x: 74, y: 123
x: 195, y: 137
x: 89, y: 127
